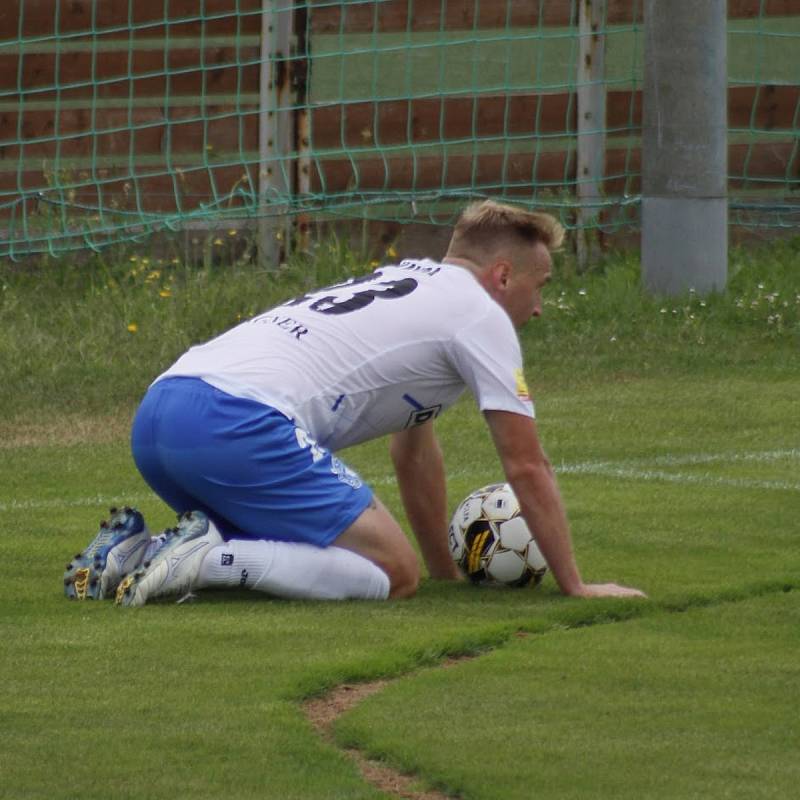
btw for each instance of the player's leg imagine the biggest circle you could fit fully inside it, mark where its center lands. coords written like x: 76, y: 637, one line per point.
x: 371, y: 560
x: 377, y: 536
x: 322, y: 533
x: 293, y: 570
x: 270, y: 487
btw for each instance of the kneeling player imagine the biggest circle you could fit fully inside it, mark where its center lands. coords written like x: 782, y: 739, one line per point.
x: 239, y: 436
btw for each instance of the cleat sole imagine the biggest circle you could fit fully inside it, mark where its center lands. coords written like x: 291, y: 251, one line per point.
x: 124, y: 588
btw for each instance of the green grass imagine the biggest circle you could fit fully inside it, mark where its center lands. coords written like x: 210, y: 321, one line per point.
x: 701, y: 704
x: 677, y: 440
x: 89, y: 340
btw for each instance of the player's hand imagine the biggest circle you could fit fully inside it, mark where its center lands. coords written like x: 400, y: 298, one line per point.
x: 607, y: 590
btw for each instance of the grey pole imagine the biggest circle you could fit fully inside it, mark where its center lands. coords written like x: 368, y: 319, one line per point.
x: 275, y: 132
x: 684, y: 147
x: 591, y: 128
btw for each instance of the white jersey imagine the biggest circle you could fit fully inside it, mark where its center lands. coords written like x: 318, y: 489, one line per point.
x: 373, y: 355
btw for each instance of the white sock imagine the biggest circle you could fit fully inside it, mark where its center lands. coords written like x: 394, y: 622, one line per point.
x: 294, y: 570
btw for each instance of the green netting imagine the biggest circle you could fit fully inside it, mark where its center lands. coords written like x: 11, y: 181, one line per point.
x: 121, y: 119
x: 764, y: 168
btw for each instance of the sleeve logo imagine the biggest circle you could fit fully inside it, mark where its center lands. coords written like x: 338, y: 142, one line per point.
x: 522, y: 386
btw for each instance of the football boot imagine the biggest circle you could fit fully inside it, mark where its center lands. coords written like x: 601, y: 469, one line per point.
x: 174, y: 566
x: 118, y: 548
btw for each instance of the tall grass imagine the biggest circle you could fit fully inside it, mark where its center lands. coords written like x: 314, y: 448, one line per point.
x: 90, y: 336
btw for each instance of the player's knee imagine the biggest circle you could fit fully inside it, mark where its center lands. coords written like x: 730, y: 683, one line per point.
x: 404, y: 577
x: 377, y: 536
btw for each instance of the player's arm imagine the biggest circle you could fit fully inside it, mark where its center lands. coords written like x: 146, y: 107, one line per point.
x: 533, y: 481
x: 419, y: 465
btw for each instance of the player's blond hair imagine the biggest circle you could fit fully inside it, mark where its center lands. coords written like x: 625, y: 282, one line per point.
x: 485, y: 226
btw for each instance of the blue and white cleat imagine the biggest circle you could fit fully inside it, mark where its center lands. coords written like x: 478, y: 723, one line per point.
x: 118, y: 548
x: 175, y: 565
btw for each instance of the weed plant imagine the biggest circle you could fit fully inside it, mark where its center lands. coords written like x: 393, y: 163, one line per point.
x: 89, y: 337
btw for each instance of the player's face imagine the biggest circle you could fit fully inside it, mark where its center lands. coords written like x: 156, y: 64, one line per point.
x: 532, y: 269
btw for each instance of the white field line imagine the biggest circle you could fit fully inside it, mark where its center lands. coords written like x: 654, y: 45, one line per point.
x: 609, y: 470
x: 632, y: 469
x: 792, y: 454
x: 636, y: 469
x: 100, y: 501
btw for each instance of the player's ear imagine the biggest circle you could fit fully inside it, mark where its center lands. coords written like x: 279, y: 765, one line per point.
x: 495, y: 277
x: 502, y: 274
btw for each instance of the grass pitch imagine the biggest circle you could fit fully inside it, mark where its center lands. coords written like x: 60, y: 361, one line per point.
x: 675, y: 705
x: 675, y: 432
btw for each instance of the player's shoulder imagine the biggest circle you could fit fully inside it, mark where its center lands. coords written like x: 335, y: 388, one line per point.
x: 436, y: 274
x: 461, y: 303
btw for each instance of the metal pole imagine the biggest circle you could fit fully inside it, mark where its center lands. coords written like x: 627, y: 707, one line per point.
x: 275, y: 132
x: 300, y: 75
x: 684, y: 147
x: 591, y: 128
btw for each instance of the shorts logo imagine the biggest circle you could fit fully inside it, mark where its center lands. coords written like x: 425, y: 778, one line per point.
x: 243, y: 579
x: 345, y: 474
x: 305, y: 440
x: 226, y: 560
x: 420, y: 415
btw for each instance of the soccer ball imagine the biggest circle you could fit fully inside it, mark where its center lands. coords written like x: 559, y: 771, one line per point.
x: 490, y: 541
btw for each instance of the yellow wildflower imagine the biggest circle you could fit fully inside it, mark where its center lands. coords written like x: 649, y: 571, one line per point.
x: 165, y: 293
x: 133, y: 327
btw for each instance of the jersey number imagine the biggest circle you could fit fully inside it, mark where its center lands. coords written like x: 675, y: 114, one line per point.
x: 347, y: 300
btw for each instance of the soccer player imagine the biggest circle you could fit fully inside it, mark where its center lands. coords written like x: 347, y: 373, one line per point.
x: 239, y: 436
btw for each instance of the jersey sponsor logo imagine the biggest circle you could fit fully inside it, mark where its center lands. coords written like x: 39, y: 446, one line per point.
x: 522, y: 385
x: 421, y: 414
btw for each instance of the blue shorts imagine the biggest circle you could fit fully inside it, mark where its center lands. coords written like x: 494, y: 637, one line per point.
x: 249, y: 467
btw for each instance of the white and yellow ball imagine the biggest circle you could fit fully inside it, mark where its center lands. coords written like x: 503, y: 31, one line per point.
x: 491, y: 542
